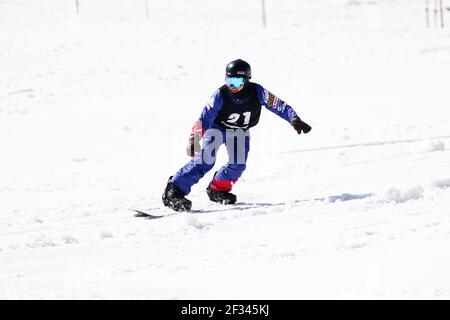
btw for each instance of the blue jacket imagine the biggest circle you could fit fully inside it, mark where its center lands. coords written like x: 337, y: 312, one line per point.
x: 214, y: 108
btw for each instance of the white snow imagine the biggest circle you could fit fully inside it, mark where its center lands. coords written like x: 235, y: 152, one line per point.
x: 95, y: 112
x: 444, y: 183
x: 432, y: 145
x: 395, y: 195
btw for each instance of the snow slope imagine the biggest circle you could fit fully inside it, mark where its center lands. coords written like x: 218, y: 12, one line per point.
x: 94, y: 115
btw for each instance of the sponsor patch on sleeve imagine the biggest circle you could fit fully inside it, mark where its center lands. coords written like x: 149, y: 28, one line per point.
x: 273, y: 101
x: 270, y: 99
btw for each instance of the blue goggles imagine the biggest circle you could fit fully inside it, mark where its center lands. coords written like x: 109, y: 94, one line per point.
x: 235, y: 82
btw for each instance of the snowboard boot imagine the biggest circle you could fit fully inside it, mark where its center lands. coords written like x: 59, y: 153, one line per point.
x: 223, y: 197
x: 174, y: 198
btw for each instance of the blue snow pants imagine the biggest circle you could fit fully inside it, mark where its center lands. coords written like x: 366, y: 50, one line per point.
x: 199, y: 165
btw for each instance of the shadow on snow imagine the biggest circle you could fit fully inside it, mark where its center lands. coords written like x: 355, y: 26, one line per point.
x: 160, y: 212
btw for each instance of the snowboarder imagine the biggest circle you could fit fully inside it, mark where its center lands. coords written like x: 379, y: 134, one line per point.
x: 226, y: 119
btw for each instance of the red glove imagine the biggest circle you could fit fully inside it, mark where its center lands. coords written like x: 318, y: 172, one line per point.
x: 193, y: 146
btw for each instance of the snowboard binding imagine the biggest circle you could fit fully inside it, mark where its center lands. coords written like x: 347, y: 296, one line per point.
x: 222, y: 197
x: 174, y: 198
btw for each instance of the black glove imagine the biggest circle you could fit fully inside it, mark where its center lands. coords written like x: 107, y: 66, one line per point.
x: 193, y: 146
x: 300, y: 126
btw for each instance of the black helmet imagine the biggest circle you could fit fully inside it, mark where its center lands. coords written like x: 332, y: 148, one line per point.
x: 238, y: 68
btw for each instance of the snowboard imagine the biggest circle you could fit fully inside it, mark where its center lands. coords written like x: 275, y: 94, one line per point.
x: 162, y: 212
x: 149, y: 214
